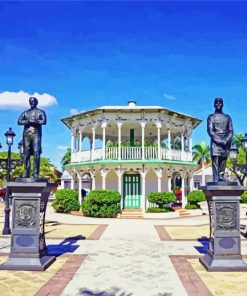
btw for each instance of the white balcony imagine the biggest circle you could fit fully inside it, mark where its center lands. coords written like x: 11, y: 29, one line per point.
x: 130, y: 153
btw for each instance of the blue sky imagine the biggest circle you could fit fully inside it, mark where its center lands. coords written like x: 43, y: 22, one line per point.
x: 180, y: 55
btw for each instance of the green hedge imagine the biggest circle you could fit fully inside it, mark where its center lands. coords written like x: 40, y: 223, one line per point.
x: 66, y: 200
x: 161, y: 198
x: 191, y: 207
x: 243, y: 198
x: 102, y: 203
x: 159, y: 210
x: 196, y: 196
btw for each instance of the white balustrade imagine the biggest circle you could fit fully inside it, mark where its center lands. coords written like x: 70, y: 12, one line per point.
x: 164, y: 153
x: 111, y: 153
x: 130, y: 153
x: 151, y: 152
x: 98, y: 154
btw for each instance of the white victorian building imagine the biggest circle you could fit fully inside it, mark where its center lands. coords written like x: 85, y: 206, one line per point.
x: 133, y: 149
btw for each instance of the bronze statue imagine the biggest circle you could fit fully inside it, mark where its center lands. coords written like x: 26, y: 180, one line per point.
x: 32, y: 119
x: 220, y: 130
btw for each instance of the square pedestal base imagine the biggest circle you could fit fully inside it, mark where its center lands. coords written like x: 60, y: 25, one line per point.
x: 223, y: 263
x: 27, y: 263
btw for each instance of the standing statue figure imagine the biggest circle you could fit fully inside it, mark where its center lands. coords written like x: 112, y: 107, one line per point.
x: 220, y: 130
x: 32, y: 119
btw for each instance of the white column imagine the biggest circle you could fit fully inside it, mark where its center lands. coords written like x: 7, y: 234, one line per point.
x: 159, y: 176
x: 103, y: 146
x: 93, y: 144
x: 93, y: 181
x: 158, y: 138
x: 119, y: 174
x: 190, y: 143
x: 80, y: 141
x: 62, y: 184
x: 182, y: 142
x: 169, y: 144
x: 103, y: 173
x: 72, y: 143
x: 119, y: 124
x: 191, y: 183
x: 169, y: 183
x: 143, y: 139
x: 143, y: 198
x: 183, y: 192
x: 79, y: 187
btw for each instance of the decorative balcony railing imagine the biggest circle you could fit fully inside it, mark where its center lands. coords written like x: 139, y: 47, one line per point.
x: 130, y: 153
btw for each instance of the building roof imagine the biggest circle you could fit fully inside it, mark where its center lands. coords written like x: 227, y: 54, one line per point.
x: 66, y: 176
x: 207, y: 171
x: 132, y: 107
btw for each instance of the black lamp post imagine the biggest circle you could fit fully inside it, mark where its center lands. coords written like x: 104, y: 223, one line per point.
x: 244, y: 144
x: 9, y: 164
x: 242, y: 168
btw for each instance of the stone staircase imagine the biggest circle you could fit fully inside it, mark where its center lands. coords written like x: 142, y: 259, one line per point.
x: 183, y: 213
x: 131, y: 214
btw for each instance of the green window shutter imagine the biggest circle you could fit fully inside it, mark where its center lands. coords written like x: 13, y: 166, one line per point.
x: 132, y: 137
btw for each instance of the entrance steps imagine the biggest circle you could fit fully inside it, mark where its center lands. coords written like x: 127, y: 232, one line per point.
x: 184, y: 213
x: 131, y: 214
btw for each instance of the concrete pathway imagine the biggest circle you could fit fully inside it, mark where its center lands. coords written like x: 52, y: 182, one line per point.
x: 128, y: 259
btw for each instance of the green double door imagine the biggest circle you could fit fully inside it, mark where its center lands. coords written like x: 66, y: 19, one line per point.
x: 132, y: 191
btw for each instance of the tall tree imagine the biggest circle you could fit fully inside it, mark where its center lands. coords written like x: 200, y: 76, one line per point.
x: 66, y: 158
x: 201, y: 154
x: 46, y: 169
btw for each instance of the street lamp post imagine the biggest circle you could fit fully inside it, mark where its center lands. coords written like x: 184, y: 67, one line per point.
x: 242, y: 168
x: 9, y: 164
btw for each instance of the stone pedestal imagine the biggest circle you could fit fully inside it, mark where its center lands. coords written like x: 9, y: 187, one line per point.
x: 28, y: 247
x: 224, y: 252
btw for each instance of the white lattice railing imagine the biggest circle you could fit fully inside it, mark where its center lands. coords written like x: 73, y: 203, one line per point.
x: 130, y: 153
x: 151, y: 152
x: 111, y: 153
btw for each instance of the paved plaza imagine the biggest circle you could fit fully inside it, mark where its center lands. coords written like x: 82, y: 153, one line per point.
x: 124, y: 257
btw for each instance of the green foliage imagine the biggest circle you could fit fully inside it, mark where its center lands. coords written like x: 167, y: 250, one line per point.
x: 46, y: 169
x: 17, y: 172
x: 191, y: 207
x: 196, y: 196
x: 161, y: 198
x: 159, y: 210
x: 66, y: 200
x: 66, y: 158
x: 102, y: 203
x: 201, y: 153
x: 243, y: 198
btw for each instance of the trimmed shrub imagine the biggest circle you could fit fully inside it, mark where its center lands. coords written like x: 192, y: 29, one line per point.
x: 159, y: 210
x: 161, y: 198
x: 196, y: 196
x: 66, y: 200
x: 191, y: 207
x: 243, y: 197
x: 102, y: 203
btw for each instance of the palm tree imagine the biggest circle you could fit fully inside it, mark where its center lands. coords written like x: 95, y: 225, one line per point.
x: 201, y: 154
x: 66, y: 158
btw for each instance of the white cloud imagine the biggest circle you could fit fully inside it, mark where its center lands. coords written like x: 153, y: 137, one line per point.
x: 169, y: 97
x: 63, y: 148
x: 75, y: 111
x: 17, y: 100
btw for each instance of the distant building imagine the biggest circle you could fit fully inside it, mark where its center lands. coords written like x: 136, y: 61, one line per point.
x: 133, y: 149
